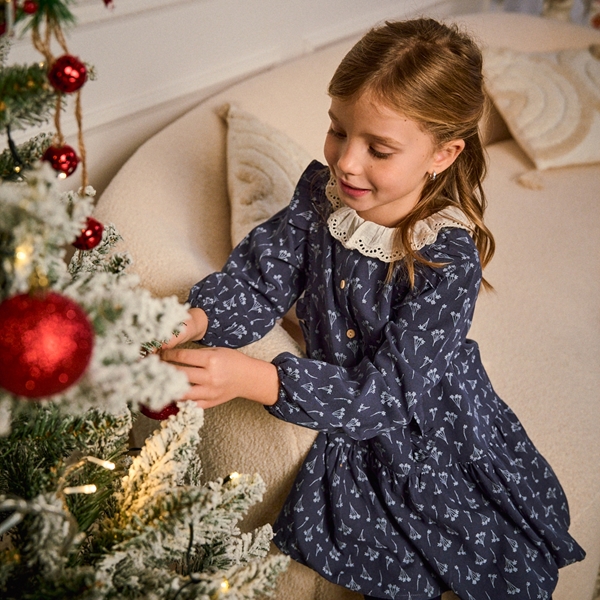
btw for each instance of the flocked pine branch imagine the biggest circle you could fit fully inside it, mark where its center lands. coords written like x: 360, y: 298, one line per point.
x: 28, y: 154
x: 153, y: 531
x: 41, y: 555
x: 28, y: 99
x: 4, y: 49
x: 32, y: 454
x: 161, y: 521
x: 103, y: 258
x: 156, y: 536
x: 37, y: 223
x: 38, y: 220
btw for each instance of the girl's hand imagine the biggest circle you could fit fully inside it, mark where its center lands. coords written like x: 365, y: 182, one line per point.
x: 193, y: 329
x: 218, y: 375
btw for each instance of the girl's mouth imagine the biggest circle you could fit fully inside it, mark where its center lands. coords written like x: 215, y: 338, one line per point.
x: 352, y: 191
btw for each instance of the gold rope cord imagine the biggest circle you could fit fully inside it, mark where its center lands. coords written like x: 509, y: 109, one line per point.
x: 43, y: 46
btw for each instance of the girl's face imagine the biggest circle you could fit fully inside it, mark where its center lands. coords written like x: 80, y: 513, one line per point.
x: 380, y: 158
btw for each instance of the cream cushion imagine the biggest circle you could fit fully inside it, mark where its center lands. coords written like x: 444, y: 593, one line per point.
x: 538, y: 331
x: 263, y: 166
x: 550, y: 102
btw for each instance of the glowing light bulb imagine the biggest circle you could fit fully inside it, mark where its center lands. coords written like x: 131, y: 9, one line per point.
x: 231, y: 477
x: 225, y: 585
x: 90, y: 488
x: 102, y: 463
x: 23, y: 254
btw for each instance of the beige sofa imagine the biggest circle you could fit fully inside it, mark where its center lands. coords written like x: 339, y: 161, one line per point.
x: 539, y: 330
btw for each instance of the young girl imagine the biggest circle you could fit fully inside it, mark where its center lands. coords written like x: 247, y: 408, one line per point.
x: 421, y: 480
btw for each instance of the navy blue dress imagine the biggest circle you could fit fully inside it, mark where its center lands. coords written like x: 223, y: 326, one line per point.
x: 421, y: 479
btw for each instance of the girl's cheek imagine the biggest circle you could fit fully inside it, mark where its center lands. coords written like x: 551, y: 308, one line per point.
x: 330, y: 151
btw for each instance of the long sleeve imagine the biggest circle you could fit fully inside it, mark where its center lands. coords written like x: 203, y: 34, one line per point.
x: 421, y: 346
x: 263, y: 276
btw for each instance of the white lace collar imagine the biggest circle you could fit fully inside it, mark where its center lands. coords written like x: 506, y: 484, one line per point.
x: 377, y: 241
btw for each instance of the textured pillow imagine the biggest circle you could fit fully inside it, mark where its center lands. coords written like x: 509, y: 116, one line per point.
x: 263, y: 167
x: 550, y: 102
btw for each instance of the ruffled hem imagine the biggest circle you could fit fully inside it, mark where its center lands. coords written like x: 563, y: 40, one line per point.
x: 503, y: 514
x: 377, y: 241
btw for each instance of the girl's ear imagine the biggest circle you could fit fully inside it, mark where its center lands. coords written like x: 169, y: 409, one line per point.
x: 446, y: 155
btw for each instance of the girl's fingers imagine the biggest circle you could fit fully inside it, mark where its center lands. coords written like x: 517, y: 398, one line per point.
x: 196, y: 375
x: 194, y: 357
x: 192, y: 364
x: 213, y: 373
x: 174, y: 341
x: 200, y: 394
x: 202, y: 402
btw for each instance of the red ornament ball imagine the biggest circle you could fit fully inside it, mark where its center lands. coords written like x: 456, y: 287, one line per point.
x: 63, y: 159
x: 90, y: 236
x: 46, y: 344
x: 67, y: 74
x: 162, y: 414
x: 30, y: 7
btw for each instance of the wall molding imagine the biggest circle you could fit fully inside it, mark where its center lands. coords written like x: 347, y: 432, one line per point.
x: 193, y: 82
x: 89, y: 12
x: 97, y: 116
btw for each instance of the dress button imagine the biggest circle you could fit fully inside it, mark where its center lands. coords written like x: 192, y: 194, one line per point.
x: 342, y: 284
x: 350, y: 333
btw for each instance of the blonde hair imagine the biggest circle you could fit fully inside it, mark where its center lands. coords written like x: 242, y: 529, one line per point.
x: 431, y: 73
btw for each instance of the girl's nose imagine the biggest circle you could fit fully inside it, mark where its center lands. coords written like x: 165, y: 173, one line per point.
x: 348, y: 161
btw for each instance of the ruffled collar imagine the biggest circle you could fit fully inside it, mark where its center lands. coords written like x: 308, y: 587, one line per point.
x: 377, y: 241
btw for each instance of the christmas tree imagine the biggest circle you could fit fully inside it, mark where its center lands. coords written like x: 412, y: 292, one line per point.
x: 81, y: 514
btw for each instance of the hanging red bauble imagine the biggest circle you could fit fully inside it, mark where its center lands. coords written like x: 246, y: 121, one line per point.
x: 67, y: 74
x: 45, y: 346
x: 162, y: 414
x: 30, y: 7
x: 63, y: 159
x: 90, y: 236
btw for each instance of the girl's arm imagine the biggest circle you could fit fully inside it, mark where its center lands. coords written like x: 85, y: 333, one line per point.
x: 264, y: 274
x: 261, y: 280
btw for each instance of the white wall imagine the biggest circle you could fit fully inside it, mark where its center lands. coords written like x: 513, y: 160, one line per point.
x: 155, y: 59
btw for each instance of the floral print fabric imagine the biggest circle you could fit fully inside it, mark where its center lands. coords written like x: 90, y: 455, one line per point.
x: 422, y: 479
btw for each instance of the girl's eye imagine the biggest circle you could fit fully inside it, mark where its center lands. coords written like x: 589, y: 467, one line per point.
x: 335, y: 133
x: 381, y: 155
